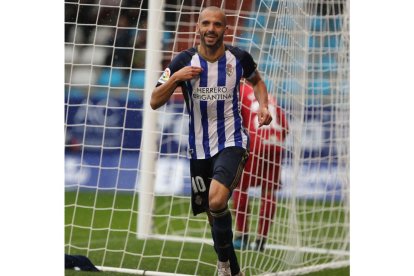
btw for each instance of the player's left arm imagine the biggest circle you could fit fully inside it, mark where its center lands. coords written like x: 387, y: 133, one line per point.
x: 260, y: 92
x: 251, y: 74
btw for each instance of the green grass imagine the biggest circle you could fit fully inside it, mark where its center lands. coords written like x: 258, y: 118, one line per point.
x: 102, y: 226
x: 329, y: 272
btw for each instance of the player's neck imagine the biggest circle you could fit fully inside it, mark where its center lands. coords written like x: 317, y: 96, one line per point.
x: 211, y: 54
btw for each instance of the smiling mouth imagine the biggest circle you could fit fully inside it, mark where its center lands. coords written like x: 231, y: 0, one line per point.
x: 210, y: 35
x: 210, y: 38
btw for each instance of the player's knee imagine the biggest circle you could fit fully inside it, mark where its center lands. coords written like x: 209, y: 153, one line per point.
x: 217, y: 202
x: 218, y: 196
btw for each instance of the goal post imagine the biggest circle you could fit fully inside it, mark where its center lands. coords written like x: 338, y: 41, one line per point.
x: 127, y: 179
x: 149, y: 135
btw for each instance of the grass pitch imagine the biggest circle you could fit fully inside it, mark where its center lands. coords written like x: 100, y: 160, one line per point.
x: 102, y: 225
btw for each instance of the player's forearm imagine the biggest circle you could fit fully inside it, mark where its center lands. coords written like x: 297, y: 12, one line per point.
x: 260, y: 92
x: 161, y: 94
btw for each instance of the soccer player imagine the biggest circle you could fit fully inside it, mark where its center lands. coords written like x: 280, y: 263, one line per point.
x: 209, y: 76
x: 262, y: 168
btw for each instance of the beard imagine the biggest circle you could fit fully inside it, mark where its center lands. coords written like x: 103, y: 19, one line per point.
x: 212, y: 40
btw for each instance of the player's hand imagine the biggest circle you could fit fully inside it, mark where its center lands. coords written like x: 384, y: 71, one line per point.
x: 264, y: 116
x: 187, y: 73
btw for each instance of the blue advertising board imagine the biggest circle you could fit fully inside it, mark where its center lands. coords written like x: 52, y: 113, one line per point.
x: 103, y: 139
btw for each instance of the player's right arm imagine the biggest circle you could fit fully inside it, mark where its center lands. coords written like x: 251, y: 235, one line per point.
x: 167, y: 84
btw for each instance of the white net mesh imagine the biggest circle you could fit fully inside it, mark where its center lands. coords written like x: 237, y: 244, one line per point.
x: 302, y: 51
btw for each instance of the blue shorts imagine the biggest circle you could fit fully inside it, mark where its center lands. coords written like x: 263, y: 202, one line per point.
x: 226, y: 167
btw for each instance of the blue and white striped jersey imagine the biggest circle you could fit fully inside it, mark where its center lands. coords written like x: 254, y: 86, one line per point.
x: 213, y: 100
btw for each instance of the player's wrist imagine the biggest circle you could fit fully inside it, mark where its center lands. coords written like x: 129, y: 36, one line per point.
x: 264, y: 106
x: 175, y: 80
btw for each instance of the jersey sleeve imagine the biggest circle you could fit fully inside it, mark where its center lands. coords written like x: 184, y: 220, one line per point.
x: 248, y: 64
x: 246, y: 60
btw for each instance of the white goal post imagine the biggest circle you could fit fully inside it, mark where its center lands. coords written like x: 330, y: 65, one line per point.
x: 127, y: 181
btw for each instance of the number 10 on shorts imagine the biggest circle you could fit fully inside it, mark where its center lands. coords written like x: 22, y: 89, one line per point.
x: 198, y: 184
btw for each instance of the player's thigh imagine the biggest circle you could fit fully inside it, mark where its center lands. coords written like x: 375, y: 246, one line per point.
x: 270, y: 179
x: 228, y: 166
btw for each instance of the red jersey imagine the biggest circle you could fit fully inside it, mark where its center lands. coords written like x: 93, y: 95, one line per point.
x: 268, y: 138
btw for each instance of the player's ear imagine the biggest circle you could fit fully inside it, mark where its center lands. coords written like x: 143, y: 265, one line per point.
x: 198, y: 28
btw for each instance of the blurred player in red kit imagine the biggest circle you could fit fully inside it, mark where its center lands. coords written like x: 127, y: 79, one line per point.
x: 262, y: 168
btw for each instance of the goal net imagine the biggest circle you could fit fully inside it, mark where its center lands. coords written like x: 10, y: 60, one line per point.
x: 127, y: 179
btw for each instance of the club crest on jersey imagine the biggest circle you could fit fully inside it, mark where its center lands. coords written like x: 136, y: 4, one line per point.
x: 229, y: 69
x: 165, y: 76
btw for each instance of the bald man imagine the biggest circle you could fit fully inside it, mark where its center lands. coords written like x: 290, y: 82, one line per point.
x: 218, y: 145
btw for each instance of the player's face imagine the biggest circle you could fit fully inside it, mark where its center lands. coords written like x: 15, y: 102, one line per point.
x: 211, y: 28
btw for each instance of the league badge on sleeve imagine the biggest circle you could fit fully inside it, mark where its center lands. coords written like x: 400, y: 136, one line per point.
x: 165, y: 76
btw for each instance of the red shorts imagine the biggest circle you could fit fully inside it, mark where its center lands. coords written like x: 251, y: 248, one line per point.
x: 262, y: 169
